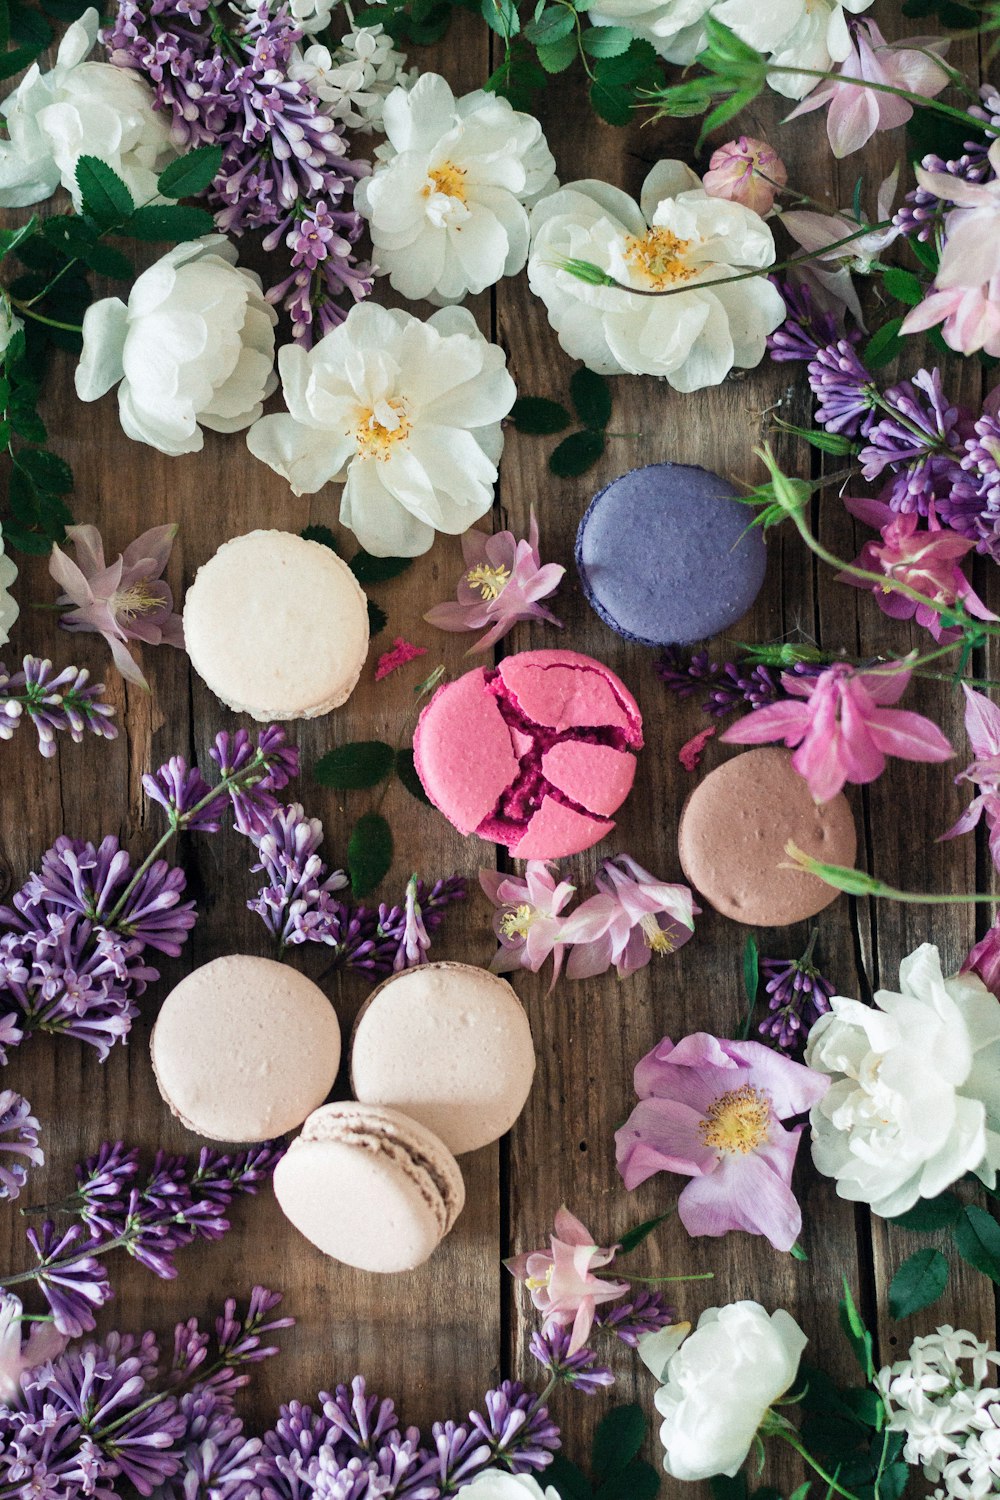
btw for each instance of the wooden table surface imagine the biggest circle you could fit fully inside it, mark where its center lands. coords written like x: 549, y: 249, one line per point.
x: 435, y: 1339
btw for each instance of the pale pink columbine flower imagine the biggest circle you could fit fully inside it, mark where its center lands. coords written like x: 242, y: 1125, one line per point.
x: 843, y: 730
x: 44, y: 1343
x: 562, y: 1281
x: 925, y: 559
x: 746, y: 171
x: 712, y: 1110
x: 126, y: 601
x: 856, y: 113
x: 832, y: 283
x: 982, y: 725
x: 971, y: 254
x: 503, y: 582
x: 527, y: 919
x: 633, y: 916
x: 969, y: 317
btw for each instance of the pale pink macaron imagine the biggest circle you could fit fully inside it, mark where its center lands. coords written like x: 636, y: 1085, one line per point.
x: 244, y: 1048
x: 449, y: 1045
x: 370, y: 1187
x: 536, y: 753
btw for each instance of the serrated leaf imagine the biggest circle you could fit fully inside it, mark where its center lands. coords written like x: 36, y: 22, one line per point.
x: 369, y: 853
x: 633, y: 1237
x: 362, y: 763
x: 168, y: 221
x: 883, y: 346
x: 591, y: 397
x: 27, y: 423
x: 627, y: 66
x: 536, y: 415
x: 11, y: 238
x: 607, y: 41
x: 930, y: 1213
x: 639, y: 1481
x: 190, y: 174
x: 569, y: 1482
x: 919, y: 1281
x: 407, y: 773
x: 559, y: 56
x: 47, y: 470
x: 729, y: 1487
x: 107, y: 261
x: 977, y: 1240
x: 31, y: 542
x: 501, y: 16
x: 552, y: 25
x: 926, y: 253
x: 105, y: 197
x: 321, y: 534
x: 611, y: 102
x: 903, y: 285
x: 377, y: 619
x: 576, y: 454
x: 22, y: 497
x: 368, y: 569
x: 13, y: 62
x: 27, y: 26
x: 618, y: 1438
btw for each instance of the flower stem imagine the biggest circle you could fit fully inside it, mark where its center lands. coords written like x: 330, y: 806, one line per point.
x: 656, y: 1280
x: 25, y: 307
x: 793, y: 1441
x: 860, y: 883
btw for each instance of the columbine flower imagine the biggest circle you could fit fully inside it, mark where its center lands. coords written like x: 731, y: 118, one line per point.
x: 408, y: 413
x: 9, y: 607
x: 914, y: 1102
x: 356, y: 78
x: 969, y: 316
x: 43, y: 1342
x: 842, y: 730
x: 446, y: 201
x: 971, y: 253
x: 746, y: 171
x: 214, y: 368
x: 829, y: 272
x: 503, y: 583
x: 856, y: 112
x: 562, y: 1282
x: 527, y: 919
x: 126, y: 601
x: 720, y: 1385
x: 680, y: 237
x: 983, y: 960
x: 982, y: 725
x: 19, y: 1136
x: 796, y: 33
x: 78, y: 106
x: 712, y: 1110
x: 633, y: 916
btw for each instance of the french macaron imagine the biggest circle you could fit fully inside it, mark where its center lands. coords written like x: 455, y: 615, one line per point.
x: 244, y: 1048
x: 733, y: 831
x: 449, y: 1045
x: 277, y: 626
x: 665, y: 555
x: 370, y: 1187
x: 535, y: 754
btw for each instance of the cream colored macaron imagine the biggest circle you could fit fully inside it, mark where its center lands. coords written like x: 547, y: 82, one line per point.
x: 277, y: 626
x: 244, y: 1048
x: 449, y: 1045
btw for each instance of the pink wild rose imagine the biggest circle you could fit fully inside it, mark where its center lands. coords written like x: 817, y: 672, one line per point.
x: 562, y: 1281
x: 712, y: 1110
x: 504, y: 582
x: 126, y: 601
x: 527, y: 919
x: 843, y: 730
x: 746, y: 171
x: 633, y: 916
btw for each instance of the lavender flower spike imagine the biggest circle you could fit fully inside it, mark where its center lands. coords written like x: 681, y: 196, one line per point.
x: 17, y: 1121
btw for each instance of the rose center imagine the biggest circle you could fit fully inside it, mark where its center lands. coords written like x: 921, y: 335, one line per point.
x: 516, y: 920
x: 137, y: 599
x: 490, y: 582
x: 447, y: 179
x: 737, y: 1122
x: 380, y: 426
x: 656, y: 939
x: 658, y: 257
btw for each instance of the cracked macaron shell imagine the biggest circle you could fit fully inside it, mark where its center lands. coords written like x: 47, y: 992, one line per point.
x: 536, y: 753
x: 370, y: 1187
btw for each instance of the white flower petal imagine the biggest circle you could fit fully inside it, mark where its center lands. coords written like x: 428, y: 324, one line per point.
x: 105, y: 325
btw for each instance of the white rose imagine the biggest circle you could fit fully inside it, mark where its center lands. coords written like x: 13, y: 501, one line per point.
x: 796, y: 33
x: 680, y: 236
x: 675, y: 27
x: 498, y: 1484
x: 915, y: 1098
x: 407, y: 413
x: 446, y: 201
x: 195, y: 345
x: 9, y: 608
x: 720, y: 1385
x: 80, y: 107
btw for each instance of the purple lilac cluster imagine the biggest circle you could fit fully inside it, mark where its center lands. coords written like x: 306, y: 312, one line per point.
x: 285, y: 164
x: 151, y: 1217
x: 797, y: 995
x: 732, y: 685
x: 19, y: 1136
x: 921, y: 214
x: 55, y: 703
x: 639, y: 1313
x: 108, y: 1414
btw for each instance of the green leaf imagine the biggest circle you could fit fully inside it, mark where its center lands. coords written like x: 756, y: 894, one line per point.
x: 607, y: 41
x: 369, y: 853
x: 536, y: 415
x: 639, y: 1481
x: 926, y: 253
x: 552, y: 25
x: 105, y: 197
x: 883, y: 346
x: 977, y: 1240
x: 13, y: 62
x: 362, y: 763
x: 857, y: 1334
x: 27, y: 26
x: 724, y: 1487
x: 751, y: 969
x: 633, y: 1237
x: 576, y: 454
x: 558, y: 57
x: 801, y: 1491
x: 627, y: 66
x: 47, y: 470
x: 407, y: 773
x: 368, y: 569
x: 611, y: 102
x: 23, y: 497
x: 501, y: 16
x: 377, y: 619
x: 11, y: 238
x: 190, y: 174
x: 107, y: 261
x: 929, y: 1214
x: 618, y: 1438
x: 903, y: 285
x: 168, y: 221
x: 26, y: 422
x: 569, y: 1482
x: 918, y: 1282
x: 321, y: 534
x: 26, y: 540
x: 592, y: 398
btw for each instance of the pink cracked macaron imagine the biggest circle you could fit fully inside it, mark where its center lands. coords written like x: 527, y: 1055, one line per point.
x: 449, y: 1045
x: 536, y: 753
x: 244, y: 1048
x: 370, y: 1187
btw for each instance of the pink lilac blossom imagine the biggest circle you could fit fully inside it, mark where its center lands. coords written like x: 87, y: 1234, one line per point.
x: 633, y: 916
x: 712, y: 1110
x: 528, y: 921
x: 503, y: 583
x: 857, y: 112
x: 843, y: 730
x: 126, y: 601
x: 402, y: 652
x: 562, y: 1279
x: 746, y: 171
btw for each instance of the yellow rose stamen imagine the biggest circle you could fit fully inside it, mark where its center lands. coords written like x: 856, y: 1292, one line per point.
x: 737, y: 1122
x: 380, y: 426
x: 658, y: 256
x: 447, y: 179
x: 490, y: 582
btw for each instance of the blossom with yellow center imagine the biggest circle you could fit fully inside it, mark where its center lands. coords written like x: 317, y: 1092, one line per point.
x: 490, y: 581
x: 516, y: 920
x: 380, y: 426
x: 447, y: 179
x: 137, y: 599
x: 655, y: 938
x: 658, y: 257
x: 737, y: 1122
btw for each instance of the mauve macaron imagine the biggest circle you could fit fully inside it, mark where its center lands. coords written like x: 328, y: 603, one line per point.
x: 370, y: 1187
x: 536, y: 753
x: 733, y: 831
x: 277, y: 626
x: 665, y: 555
x: 449, y: 1045
x: 245, y: 1048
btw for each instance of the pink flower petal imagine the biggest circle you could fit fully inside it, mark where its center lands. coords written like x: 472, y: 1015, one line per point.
x: 403, y: 651
x: 691, y: 751
x: 896, y: 731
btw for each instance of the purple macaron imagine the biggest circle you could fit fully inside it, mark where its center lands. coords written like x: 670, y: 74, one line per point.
x: 665, y: 556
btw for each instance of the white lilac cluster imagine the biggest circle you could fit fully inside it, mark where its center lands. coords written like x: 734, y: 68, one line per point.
x: 356, y: 77
x: 939, y: 1397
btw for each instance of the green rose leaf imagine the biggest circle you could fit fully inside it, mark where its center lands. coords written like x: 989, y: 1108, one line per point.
x: 556, y: 57
x: 13, y: 62
x: 552, y: 25
x: 903, y: 285
x: 618, y: 1439
x: 928, y: 1214
x: 369, y: 853
x: 884, y: 345
x: 190, y: 174
x: 536, y: 415
x: 977, y: 1240
x: 11, y: 238
x: 606, y: 41
x: 47, y: 470
x: 407, y: 773
x: 105, y: 197
x: 633, y: 1237
x: 362, y: 763
x: 724, y: 1487
x: 321, y: 534
x: 592, y: 398
x: 168, y: 221
x: 611, y: 101
x: 639, y: 1481
x: 918, y: 1282
x: 368, y: 569
x: 569, y: 1482
x: 576, y: 454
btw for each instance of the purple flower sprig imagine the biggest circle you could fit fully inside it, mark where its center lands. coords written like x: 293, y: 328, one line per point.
x: 797, y: 995
x: 55, y: 703
x: 745, y: 683
x: 19, y: 1136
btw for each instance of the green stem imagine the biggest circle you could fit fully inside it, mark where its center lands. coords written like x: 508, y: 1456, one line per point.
x: 39, y: 1270
x: 793, y: 1441
x: 25, y: 308
x: 657, y: 1280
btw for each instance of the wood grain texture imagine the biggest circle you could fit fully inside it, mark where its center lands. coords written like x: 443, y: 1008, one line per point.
x: 437, y: 1338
